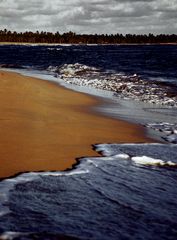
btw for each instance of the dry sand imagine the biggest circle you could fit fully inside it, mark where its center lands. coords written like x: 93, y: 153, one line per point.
x: 45, y: 127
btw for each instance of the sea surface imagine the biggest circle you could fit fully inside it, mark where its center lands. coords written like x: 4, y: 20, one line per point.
x: 157, y: 62
x: 129, y: 192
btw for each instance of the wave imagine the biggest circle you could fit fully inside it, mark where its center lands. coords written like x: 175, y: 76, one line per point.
x: 132, y: 152
x: 169, y: 130
x: 108, y: 181
x: 148, y: 161
x: 6, y: 185
x: 123, y: 86
x: 73, y: 70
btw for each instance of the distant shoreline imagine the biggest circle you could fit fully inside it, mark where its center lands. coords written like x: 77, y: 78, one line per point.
x: 80, y: 44
x: 85, y: 38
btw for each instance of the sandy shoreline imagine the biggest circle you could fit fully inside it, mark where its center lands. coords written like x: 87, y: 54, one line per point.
x: 45, y: 126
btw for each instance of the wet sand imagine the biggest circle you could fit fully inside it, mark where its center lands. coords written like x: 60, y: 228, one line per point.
x: 45, y: 127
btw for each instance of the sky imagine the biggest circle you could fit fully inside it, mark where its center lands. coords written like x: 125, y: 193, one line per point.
x: 90, y: 16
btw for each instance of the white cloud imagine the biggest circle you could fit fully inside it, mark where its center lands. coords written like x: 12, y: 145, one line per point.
x: 94, y: 16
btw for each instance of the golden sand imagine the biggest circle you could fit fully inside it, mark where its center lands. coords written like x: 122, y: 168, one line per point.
x: 46, y: 127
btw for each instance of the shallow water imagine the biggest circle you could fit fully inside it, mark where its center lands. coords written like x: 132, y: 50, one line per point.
x: 110, y: 197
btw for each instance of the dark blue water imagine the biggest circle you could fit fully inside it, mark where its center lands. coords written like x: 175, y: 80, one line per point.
x: 148, y: 61
x: 104, y: 198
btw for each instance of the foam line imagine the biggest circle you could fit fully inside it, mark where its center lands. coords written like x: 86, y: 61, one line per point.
x: 148, y: 161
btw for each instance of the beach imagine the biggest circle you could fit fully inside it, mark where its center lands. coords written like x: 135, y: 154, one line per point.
x: 46, y: 127
x: 88, y: 142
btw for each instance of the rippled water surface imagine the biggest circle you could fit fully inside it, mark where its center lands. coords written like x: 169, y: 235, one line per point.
x: 111, y: 197
x: 150, y: 61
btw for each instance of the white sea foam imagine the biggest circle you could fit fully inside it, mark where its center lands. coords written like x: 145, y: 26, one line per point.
x: 122, y: 156
x: 140, y: 160
x: 124, y: 86
x: 132, y: 151
x: 55, y: 49
x: 73, y: 70
x: 145, y: 160
x: 102, y: 148
x: 107, y: 149
x: 67, y: 173
x: 9, y: 235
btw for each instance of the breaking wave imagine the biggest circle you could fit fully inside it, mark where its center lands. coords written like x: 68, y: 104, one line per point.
x: 123, y: 86
x: 144, y: 160
x: 103, y: 197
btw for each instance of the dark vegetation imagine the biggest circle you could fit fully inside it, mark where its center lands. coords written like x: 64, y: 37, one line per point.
x: 71, y: 37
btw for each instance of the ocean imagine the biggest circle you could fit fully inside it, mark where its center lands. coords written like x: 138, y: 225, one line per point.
x: 129, y: 192
x: 157, y: 62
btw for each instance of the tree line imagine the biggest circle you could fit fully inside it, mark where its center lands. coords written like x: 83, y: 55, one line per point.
x: 71, y: 37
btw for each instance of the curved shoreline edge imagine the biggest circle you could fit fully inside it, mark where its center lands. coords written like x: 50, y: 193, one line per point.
x: 45, y: 127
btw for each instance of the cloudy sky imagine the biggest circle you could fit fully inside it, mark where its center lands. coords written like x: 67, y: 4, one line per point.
x: 90, y: 16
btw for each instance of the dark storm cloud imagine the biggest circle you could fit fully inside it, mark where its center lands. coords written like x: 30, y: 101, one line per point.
x: 94, y: 16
